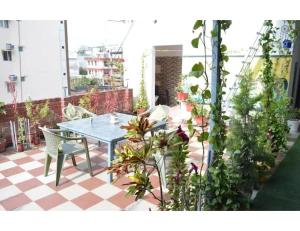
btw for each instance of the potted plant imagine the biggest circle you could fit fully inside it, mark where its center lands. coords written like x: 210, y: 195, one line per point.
x: 141, y: 104
x: 200, y: 115
x: 2, y: 139
x: 293, y: 120
x: 189, y: 104
x: 181, y: 95
x: 21, y: 135
x: 36, y: 113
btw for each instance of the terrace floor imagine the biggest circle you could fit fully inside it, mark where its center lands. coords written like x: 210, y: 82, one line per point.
x: 24, y: 187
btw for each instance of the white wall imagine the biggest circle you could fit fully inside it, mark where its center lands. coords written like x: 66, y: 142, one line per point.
x: 43, y: 60
x: 146, y: 34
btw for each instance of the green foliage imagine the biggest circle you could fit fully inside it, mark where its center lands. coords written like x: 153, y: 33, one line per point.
x: 293, y: 114
x: 222, y: 191
x: 36, y: 112
x: 273, y: 126
x: 2, y: 110
x: 246, y: 156
x: 82, y: 71
x: 87, y: 101
x: 142, y: 101
x: 21, y: 130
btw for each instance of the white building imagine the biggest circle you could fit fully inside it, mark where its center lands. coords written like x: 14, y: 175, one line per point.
x: 34, y: 53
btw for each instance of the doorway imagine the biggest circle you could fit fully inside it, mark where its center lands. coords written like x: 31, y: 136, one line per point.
x: 168, y: 68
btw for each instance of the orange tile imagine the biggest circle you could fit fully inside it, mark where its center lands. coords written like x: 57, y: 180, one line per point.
x: 12, y: 171
x: 63, y: 183
x: 29, y: 184
x: 87, y: 200
x: 122, y: 200
x: 15, y: 201
x: 51, y: 201
x: 91, y: 183
x: 23, y: 160
x: 4, y: 183
x: 37, y: 171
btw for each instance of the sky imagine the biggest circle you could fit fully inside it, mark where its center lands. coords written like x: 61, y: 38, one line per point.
x: 97, y: 32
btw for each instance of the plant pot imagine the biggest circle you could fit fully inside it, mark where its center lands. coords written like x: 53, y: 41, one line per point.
x: 189, y: 107
x: 181, y: 96
x: 200, y: 120
x: 140, y: 111
x: 37, y: 139
x: 293, y: 124
x: 2, y: 145
x: 20, y: 147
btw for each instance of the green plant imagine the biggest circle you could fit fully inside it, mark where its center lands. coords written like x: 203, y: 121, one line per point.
x: 293, y: 114
x: 273, y: 125
x: 36, y: 112
x: 200, y: 110
x: 245, y: 154
x: 142, y: 101
x: 87, y: 101
x: 179, y: 87
x: 21, y: 130
x: 2, y: 110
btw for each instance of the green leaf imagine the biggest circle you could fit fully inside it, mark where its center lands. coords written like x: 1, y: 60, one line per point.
x: 223, y: 48
x: 195, y: 42
x: 198, y: 69
x: 194, y: 89
x: 225, y: 58
x: 203, y: 137
x: 198, y: 24
x: 225, y: 117
x: 214, y: 33
x: 224, y: 72
x: 206, y: 94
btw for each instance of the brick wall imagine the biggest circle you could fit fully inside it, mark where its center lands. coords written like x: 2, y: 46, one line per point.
x: 105, y: 102
x: 171, y: 69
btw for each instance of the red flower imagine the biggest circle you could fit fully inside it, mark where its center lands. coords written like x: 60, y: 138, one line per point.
x: 182, y: 134
x: 194, y: 168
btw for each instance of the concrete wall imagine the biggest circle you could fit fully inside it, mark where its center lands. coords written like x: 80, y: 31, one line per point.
x: 42, y: 61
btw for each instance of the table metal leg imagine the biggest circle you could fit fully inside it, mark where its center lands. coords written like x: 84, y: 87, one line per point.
x: 111, y: 153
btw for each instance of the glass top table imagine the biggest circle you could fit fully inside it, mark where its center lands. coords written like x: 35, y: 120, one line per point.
x: 101, y: 129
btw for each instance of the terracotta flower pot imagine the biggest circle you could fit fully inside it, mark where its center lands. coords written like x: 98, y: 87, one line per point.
x: 200, y: 120
x: 140, y: 111
x: 20, y: 147
x: 2, y: 145
x: 181, y: 96
x: 189, y: 107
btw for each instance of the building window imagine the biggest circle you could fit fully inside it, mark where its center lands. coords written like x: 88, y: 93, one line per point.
x: 4, y: 23
x: 6, y: 55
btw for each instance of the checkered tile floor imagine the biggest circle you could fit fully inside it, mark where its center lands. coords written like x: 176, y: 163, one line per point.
x: 24, y: 187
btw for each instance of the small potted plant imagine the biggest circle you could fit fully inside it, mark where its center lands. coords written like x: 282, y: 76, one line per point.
x: 181, y: 95
x: 189, y: 104
x: 36, y: 113
x: 200, y: 115
x: 21, y: 135
x: 2, y: 139
x: 293, y: 120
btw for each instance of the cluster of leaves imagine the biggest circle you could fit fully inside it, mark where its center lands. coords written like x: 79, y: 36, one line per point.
x: 246, y: 156
x: 36, y: 112
x: 88, y: 101
x: 273, y: 125
x: 137, y: 158
x: 2, y: 110
x: 142, y: 101
x: 21, y: 130
x: 83, y: 82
